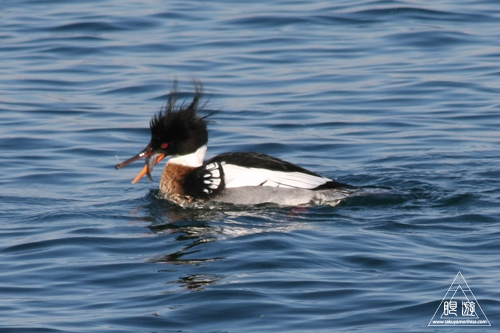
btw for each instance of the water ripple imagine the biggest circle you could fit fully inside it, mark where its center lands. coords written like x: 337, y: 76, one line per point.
x: 398, y: 99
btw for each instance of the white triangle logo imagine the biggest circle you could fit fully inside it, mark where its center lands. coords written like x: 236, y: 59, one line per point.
x: 459, y: 307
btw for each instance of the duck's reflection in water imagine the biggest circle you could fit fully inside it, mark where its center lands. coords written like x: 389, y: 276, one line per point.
x: 196, y: 237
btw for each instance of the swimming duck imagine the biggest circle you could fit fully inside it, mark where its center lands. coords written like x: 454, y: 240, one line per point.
x: 243, y: 178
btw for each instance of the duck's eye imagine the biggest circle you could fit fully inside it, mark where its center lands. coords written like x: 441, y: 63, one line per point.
x: 164, y: 145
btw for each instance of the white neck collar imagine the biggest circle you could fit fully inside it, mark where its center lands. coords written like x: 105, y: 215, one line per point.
x: 191, y: 160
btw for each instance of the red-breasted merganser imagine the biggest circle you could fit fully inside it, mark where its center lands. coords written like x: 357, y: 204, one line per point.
x: 245, y: 178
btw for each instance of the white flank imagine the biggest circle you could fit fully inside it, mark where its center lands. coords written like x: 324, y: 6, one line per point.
x: 238, y: 176
x: 190, y: 160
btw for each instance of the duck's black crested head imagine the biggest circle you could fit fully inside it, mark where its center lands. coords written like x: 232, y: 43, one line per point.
x: 178, y: 130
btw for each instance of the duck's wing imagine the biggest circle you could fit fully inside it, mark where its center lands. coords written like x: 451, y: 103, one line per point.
x: 256, y: 169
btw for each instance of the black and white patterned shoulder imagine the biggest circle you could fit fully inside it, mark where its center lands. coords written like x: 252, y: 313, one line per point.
x: 205, y: 180
x: 213, y: 177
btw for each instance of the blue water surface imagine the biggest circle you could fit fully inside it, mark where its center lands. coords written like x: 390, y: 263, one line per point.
x: 398, y: 98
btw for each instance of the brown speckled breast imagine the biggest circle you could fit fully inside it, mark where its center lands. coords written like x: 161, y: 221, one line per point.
x: 172, y: 178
